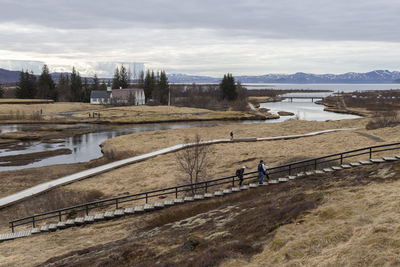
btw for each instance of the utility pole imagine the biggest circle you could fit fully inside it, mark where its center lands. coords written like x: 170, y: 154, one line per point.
x: 169, y: 96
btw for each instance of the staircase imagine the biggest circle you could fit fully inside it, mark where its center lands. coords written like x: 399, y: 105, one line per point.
x: 150, y: 207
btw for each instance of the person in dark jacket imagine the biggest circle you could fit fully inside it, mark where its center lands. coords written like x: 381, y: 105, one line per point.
x: 239, y: 174
x: 261, y: 171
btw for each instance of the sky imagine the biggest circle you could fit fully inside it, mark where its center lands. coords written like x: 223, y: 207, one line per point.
x: 207, y: 37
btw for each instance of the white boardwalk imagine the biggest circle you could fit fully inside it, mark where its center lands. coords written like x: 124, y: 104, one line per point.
x: 5, y: 201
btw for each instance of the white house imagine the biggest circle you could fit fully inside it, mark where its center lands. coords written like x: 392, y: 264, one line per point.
x: 118, y: 96
x: 100, y: 97
x: 123, y: 96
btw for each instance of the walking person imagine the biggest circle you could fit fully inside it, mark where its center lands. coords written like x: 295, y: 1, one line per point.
x: 231, y: 135
x: 262, y: 170
x: 239, y: 174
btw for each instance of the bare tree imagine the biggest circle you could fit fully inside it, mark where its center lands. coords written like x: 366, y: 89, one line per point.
x: 194, y: 161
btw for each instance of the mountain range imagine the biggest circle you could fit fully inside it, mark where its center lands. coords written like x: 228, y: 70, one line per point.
x: 376, y: 76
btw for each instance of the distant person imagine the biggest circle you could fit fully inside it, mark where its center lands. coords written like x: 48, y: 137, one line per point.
x: 262, y: 170
x: 239, y: 174
x: 232, y: 135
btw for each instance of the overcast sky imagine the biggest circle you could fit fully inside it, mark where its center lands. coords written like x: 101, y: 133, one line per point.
x: 206, y: 37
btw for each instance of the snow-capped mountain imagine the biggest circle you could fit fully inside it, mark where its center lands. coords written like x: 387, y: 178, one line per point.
x: 376, y: 76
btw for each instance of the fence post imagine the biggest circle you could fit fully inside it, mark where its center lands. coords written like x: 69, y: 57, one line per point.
x: 290, y: 170
x: 116, y: 203
x: 233, y: 182
x: 87, y: 209
x: 315, y: 164
x: 370, y: 153
x: 147, y: 200
x: 341, y: 159
x: 33, y: 222
x: 12, y: 227
x: 59, y: 216
x: 206, y: 186
x: 176, y: 192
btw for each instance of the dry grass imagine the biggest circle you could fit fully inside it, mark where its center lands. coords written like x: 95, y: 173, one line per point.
x: 47, y: 109
x: 25, y: 101
x: 350, y: 218
x: 355, y: 227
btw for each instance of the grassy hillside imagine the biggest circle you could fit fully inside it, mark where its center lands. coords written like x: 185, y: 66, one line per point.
x: 349, y: 218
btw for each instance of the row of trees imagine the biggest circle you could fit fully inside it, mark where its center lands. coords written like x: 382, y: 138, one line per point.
x: 1, y: 90
x: 70, y: 87
x: 155, y: 86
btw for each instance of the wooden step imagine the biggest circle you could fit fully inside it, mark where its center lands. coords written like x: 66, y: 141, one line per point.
x: 148, y: 207
x: 44, y: 228
x: 52, y: 227
x: 89, y: 219
x: 355, y: 164
x: 227, y: 191
x: 139, y: 209
x: 70, y: 223
x: 345, y: 166
x: 390, y: 158
x: 377, y: 160
x: 244, y: 187
x: 178, y: 200
x: 319, y: 172
x: 253, y: 185
x: 273, y: 181
x: 188, y: 199
x: 61, y: 225
x: 283, y: 180
x: 159, y: 205
x: 208, y: 195
x: 109, y: 215
x: 328, y: 170
x: 292, y: 177
x: 235, y: 189
x: 198, y: 197
x: 98, y: 217
x: 169, y: 203
x: 80, y: 221
x: 119, y: 212
x: 218, y: 193
x: 310, y: 173
x: 366, y: 162
x: 337, y: 168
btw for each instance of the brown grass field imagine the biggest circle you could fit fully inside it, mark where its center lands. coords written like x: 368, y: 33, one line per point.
x: 116, y: 115
x: 346, y: 219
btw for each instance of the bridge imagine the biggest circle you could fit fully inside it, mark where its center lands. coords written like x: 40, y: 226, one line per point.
x: 303, y: 97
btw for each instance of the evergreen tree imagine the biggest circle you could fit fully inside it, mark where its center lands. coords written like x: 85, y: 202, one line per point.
x: 46, y: 86
x: 147, y: 86
x: 63, y: 88
x: 86, y: 91
x: 123, y: 77
x: 76, y: 86
x: 1, y: 91
x: 26, y: 87
x: 141, y: 80
x: 228, y: 88
x: 103, y: 86
x: 163, y: 88
x: 96, y: 83
x: 116, y: 79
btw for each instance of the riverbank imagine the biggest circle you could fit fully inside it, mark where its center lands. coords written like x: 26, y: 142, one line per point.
x: 71, y: 113
x: 162, y: 171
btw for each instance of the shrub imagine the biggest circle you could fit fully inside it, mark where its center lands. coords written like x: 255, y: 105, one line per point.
x: 383, y: 119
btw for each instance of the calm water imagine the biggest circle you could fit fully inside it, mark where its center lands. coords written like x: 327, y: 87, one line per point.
x: 86, y: 147
x: 332, y: 87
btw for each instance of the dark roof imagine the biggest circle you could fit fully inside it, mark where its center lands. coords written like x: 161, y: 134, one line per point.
x: 100, y: 94
x: 124, y: 93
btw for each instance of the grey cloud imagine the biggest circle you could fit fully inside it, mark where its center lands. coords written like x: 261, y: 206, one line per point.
x: 306, y: 19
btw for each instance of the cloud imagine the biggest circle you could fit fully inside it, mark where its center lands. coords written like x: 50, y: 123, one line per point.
x: 248, y: 36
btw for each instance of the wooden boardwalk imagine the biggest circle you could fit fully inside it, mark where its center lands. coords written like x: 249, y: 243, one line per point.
x: 8, y: 200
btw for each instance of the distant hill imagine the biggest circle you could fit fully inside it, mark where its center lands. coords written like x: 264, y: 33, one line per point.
x: 376, y: 76
x: 8, y: 76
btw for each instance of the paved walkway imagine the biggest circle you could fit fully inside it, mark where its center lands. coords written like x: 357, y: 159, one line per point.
x: 8, y: 200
